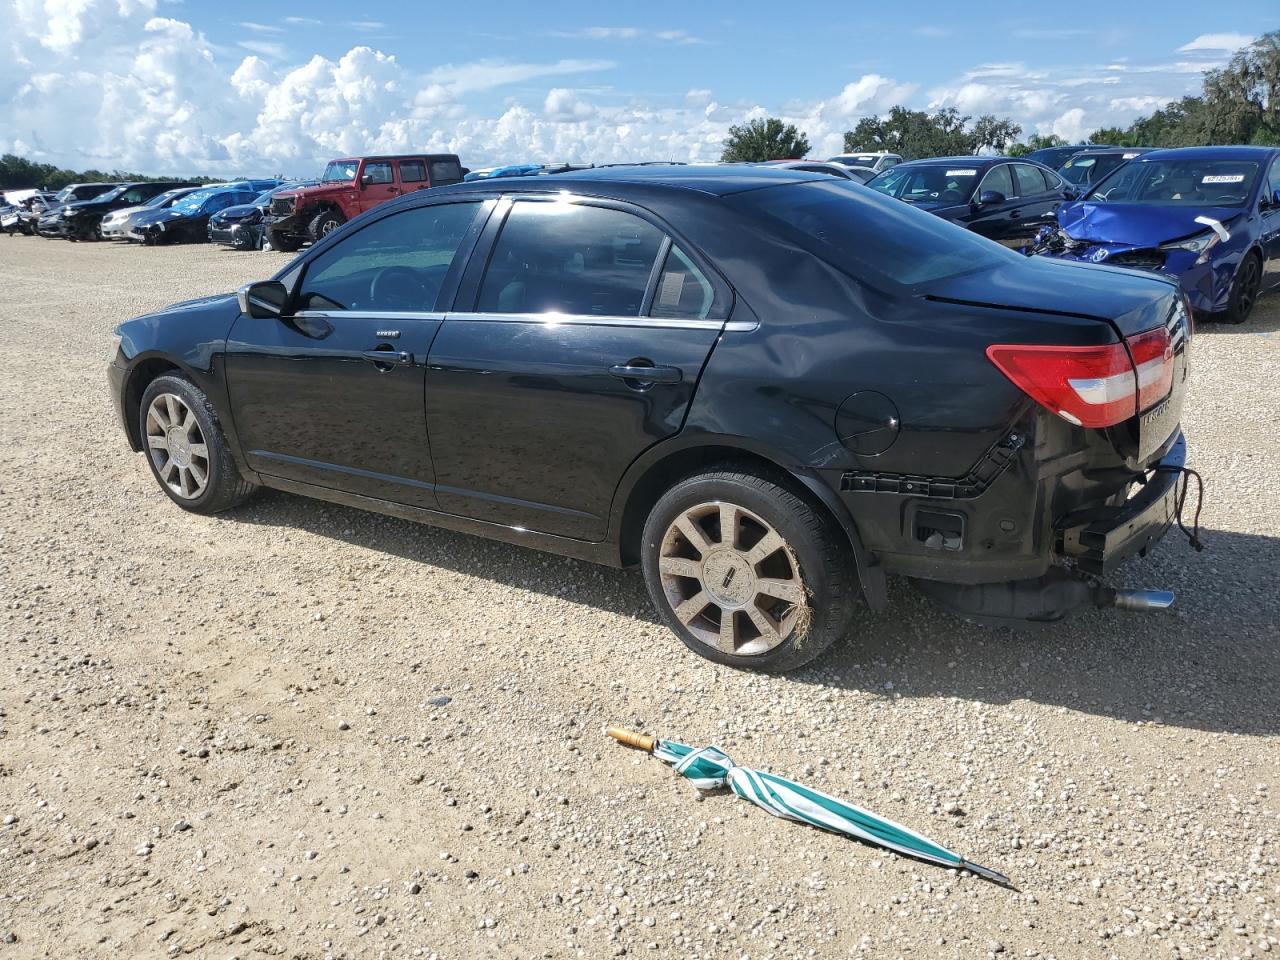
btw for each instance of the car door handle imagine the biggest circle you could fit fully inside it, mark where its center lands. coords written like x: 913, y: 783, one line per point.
x: 647, y: 374
x: 399, y: 357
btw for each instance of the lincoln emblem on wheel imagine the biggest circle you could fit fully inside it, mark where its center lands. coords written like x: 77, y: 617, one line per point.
x: 766, y: 388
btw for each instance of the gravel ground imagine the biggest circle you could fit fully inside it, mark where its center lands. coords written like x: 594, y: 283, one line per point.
x: 301, y: 730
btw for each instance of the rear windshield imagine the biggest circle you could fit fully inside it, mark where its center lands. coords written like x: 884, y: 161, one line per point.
x: 870, y: 236
x: 1204, y: 182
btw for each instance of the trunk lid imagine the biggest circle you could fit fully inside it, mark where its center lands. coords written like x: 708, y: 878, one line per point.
x: 1132, y: 305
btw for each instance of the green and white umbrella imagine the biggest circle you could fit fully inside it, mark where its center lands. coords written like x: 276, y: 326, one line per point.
x: 710, y: 768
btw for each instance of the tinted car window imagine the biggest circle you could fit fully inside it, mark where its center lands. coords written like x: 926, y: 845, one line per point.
x: 1029, y: 180
x: 999, y: 180
x: 870, y: 237
x: 1273, y: 182
x: 445, y: 171
x: 377, y: 173
x: 397, y: 263
x: 412, y: 171
x: 561, y: 257
x: 683, y: 290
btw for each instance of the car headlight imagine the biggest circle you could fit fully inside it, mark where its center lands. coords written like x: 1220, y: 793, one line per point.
x: 160, y: 226
x: 1200, y: 245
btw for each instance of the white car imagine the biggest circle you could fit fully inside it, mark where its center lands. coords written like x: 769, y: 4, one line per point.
x: 879, y: 162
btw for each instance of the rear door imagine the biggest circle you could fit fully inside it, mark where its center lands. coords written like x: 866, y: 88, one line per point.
x: 377, y: 184
x: 1037, y: 202
x: 579, y: 335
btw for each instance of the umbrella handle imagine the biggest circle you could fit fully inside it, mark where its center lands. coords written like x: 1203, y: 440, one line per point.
x: 630, y: 738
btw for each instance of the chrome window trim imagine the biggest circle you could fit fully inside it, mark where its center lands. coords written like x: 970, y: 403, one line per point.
x: 370, y: 314
x: 591, y: 320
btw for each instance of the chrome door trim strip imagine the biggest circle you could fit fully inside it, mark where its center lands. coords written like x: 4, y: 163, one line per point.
x: 592, y: 320
x: 369, y: 314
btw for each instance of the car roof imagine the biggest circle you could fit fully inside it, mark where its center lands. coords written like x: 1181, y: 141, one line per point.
x: 1213, y: 153
x: 393, y: 156
x: 717, y: 179
x: 952, y: 161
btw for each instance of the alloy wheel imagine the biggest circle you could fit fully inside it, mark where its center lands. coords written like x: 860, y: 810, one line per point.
x: 177, y: 446
x: 731, y: 579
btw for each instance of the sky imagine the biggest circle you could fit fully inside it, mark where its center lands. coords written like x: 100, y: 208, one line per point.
x: 238, y: 88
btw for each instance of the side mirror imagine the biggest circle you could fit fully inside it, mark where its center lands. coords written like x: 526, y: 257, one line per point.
x: 263, y: 300
x: 365, y: 180
x: 990, y: 197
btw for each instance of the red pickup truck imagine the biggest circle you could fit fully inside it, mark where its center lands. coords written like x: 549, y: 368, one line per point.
x: 348, y: 187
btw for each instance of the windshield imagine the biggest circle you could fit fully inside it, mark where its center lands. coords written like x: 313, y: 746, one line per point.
x: 870, y: 237
x: 927, y: 183
x: 192, y: 201
x: 1203, y: 182
x: 340, y: 170
x: 62, y: 195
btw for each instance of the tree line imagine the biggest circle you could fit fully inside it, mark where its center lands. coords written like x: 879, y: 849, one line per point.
x: 1240, y: 103
x: 18, y: 173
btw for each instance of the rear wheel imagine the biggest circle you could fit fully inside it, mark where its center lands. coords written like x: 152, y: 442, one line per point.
x: 1244, y: 290
x: 324, y: 223
x: 746, y: 573
x: 185, y: 448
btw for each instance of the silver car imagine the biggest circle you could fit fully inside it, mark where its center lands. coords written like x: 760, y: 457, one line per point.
x: 879, y: 162
x: 117, y: 224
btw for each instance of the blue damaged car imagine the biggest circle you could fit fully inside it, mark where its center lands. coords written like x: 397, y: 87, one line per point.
x: 1209, y: 216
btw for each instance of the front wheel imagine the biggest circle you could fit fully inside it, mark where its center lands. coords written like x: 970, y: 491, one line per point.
x: 324, y: 223
x: 1244, y: 290
x: 283, y: 242
x: 747, y: 573
x: 185, y: 447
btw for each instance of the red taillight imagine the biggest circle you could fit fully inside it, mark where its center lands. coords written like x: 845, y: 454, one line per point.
x: 1091, y: 386
x: 1152, y: 354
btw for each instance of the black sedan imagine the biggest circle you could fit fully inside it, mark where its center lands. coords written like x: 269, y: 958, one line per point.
x: 767, y: 388
x: 1004, y: 199
x: 187, y: 219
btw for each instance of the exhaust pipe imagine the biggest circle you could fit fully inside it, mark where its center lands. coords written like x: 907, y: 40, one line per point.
x: 1139, y: 601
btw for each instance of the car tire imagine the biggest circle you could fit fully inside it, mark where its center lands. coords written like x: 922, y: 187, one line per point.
x: 283, y: 243
x: 324, y: 223
x: 781, y: 545
x: 186, y: 449
x: 1245, y: 287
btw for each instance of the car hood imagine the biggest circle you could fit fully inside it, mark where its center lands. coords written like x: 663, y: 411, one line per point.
x: 1139, y: 224
x: 238, y: 212
x: 159, y: 216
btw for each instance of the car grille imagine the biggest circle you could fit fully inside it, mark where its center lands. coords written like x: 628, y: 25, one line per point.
x: 282, y: 206
x: 1142, y: 259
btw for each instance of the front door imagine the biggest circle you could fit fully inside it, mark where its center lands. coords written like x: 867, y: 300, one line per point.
x: 571, y: 356
x: 332, y: 393
x: 994, y: 220
x: 1271, y: 227
x: 377, y: 184
x: 1037, y: 205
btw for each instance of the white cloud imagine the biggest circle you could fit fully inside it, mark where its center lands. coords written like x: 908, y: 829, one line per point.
x: 1229, y: 42
x: 260, y: 27
x: 268, y: 48
x: 562, y: 104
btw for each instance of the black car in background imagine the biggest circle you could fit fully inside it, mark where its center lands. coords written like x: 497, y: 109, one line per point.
x: 81, y: 219
x: 241, y: 226
x: 768, y: 388
x: 1087, y: 167
x: 1004, y: 199
x: 48, y: 220
x: 1055, y: 157
x: 187, y: 219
